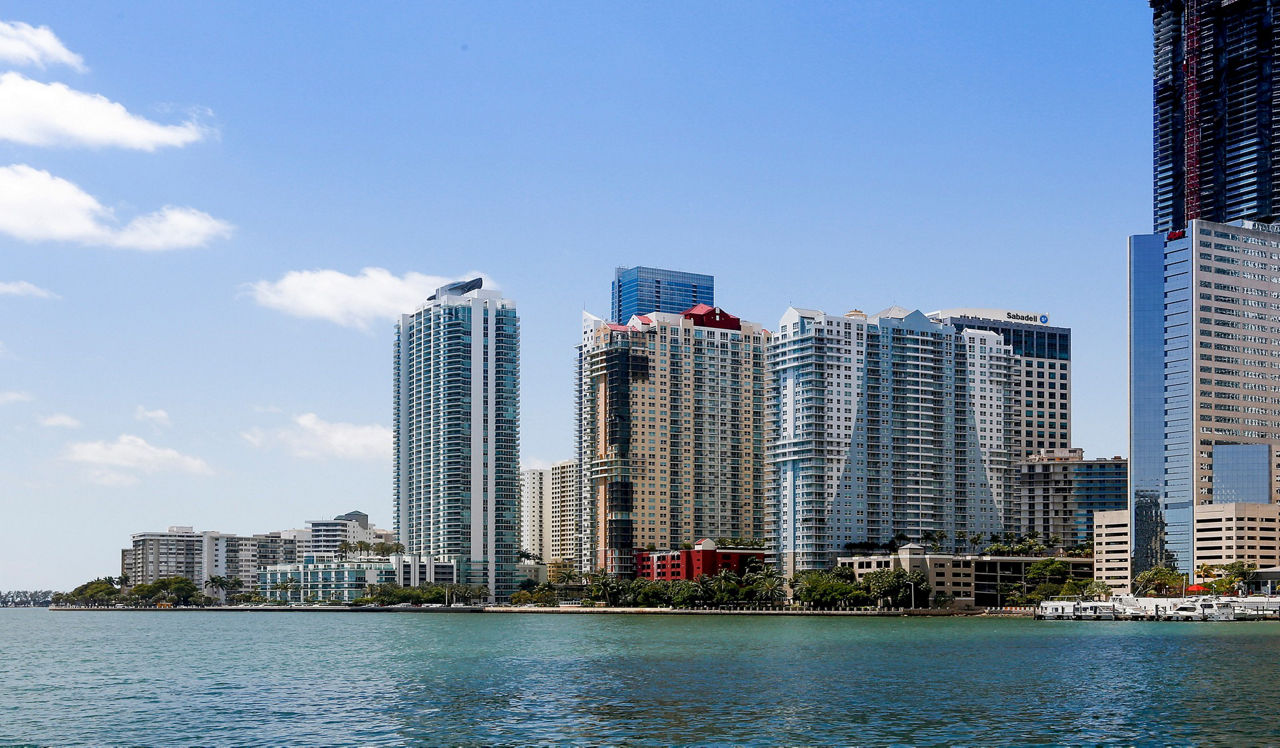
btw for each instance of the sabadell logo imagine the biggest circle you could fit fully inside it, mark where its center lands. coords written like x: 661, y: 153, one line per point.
x: 1044, y: 319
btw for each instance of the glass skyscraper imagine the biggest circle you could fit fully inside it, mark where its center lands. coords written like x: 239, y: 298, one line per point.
x: 640, y: 290
x: 457, y: 439
x: 1214, y: 75
x: 1204, y: 379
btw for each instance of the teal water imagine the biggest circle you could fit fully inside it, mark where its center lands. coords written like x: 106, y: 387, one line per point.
x: 160, y: 678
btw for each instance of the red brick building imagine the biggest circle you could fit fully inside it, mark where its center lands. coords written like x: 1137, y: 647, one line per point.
x: 704, y: 558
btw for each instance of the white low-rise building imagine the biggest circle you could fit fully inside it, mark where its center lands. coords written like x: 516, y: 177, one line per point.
x: 325, y: 577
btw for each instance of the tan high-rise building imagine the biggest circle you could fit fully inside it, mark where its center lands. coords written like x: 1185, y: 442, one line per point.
x: 565, y: 511
x: 671, y: 432
x: 535, y: 512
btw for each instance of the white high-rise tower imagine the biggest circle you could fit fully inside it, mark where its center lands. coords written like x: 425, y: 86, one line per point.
x: 457, y: 433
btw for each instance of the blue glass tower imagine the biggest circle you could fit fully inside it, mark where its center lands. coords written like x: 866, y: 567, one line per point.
x: 1150, y: 516
x: 640, y: 290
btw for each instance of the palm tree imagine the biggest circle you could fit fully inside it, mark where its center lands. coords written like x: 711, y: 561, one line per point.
x: 566, y: 576
x: 1205, y: 572
x: 768, y: 585
x: 221, y: 584
x: 363, y: 547
x: 344, y: 549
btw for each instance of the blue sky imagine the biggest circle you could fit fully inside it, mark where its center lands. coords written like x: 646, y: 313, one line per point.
x: 190, y: 196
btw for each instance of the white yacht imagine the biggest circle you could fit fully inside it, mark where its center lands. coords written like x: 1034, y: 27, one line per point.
x: 1076, y: 610
x: 1203, y: 609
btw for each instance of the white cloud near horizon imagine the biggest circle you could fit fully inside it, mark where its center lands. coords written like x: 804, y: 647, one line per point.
x: 24, y: 44
x: 23, y: 288
x: 36, y: 206
x: 158, y: 416
x: 374, y: 295
x: 53, y: 114
x: 133, y: 455
x: 311, y: 437
x: 60, y: 421
x: 13, y: 396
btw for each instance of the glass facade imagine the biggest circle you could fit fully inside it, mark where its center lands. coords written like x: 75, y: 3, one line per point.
x: 1150, y: 518
x: 640, y: 290
x: 1241, y: 473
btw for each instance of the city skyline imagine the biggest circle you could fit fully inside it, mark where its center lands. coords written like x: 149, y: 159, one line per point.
x: 239, y: 382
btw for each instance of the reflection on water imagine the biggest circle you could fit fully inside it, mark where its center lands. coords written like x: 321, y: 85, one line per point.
x: 268, y: 679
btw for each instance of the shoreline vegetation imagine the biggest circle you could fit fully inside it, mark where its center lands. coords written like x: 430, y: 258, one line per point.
x: 1020, y: 612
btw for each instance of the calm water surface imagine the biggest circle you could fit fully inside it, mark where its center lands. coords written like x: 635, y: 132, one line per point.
x: 318, y: 678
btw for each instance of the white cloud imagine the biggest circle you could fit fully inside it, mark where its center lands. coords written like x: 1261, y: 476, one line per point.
x: 60, y: 421
x: 37, y: 206
x: 157, y: 416
x: 24, y: 44
x: 133, y: 453
x: 349, y: 300
x: 312, y: 437
x: 23, y: 288
x: 53, y: 114
x: 14, y: 397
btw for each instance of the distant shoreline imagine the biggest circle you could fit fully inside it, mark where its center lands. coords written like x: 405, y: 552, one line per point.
x: 574, y: 610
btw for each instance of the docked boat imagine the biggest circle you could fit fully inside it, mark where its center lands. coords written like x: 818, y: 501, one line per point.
x: 1203, y: 609
x: 1076, y: 610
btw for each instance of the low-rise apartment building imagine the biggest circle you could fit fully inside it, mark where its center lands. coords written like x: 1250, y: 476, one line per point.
x: 984, y: 581
x: 325, y: 577
x: 704, y: 559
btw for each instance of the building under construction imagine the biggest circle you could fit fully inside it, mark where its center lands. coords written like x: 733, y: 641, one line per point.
x: 1214, y: 95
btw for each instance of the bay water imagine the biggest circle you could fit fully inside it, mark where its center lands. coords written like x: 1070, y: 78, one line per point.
x: 219, y: 678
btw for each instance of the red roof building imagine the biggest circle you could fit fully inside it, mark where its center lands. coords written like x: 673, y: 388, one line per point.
x: 712, y: 316
x: 703, y: 559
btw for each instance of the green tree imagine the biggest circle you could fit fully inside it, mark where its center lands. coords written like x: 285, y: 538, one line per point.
x: 566, y: 576
x: 1097, y: 590
x: 1160, y: 581
x: 767, y: 585
x: 1053, y: 570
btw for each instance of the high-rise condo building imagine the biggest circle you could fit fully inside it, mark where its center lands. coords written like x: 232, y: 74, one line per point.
x: 671, y: 432
x: 178, y: 552
x: 535, y: 512
x: 1059, y: 493
x: 640, y: 290
x: 1039, y: 413
x: 1204, y: 380
x: 884, y: 426
x: 566, y: 514
x: 1214, y: 77
x: 457, y: 457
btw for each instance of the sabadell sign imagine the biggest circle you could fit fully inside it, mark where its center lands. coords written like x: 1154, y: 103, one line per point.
x: 1020, y: 317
